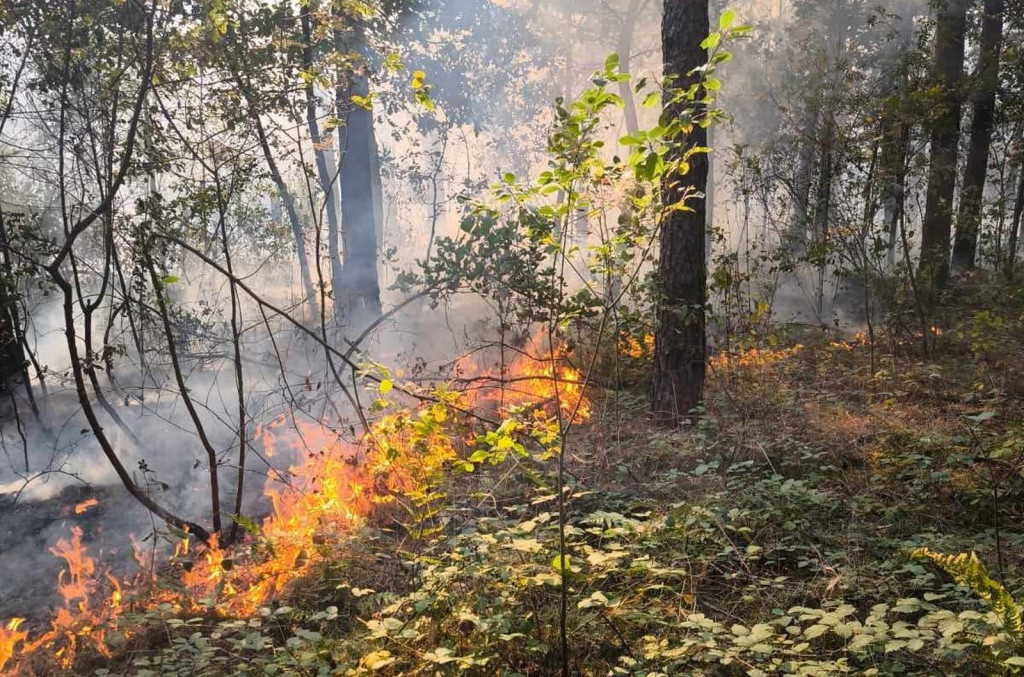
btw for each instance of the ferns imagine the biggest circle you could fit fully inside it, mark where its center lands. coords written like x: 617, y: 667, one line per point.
x: 967, y: 570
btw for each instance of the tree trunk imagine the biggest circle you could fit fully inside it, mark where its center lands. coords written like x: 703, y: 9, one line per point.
x: 625, y: 50
x: 324, y: 174
x: 895, y: 140
x: 12, y: 357
x: 679, y: 343
x: 947, y: 69
x: 1018, y: 209
x: 823, y: 197
x: 361, y: 304
x: 971, y: 196
x: 378, y: 188
x: 802, y: 180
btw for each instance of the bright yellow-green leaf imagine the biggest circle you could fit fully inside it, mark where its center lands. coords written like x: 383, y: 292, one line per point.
x: 726, y: 20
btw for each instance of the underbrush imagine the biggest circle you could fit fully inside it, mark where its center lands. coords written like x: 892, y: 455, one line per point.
x: 798, y: 529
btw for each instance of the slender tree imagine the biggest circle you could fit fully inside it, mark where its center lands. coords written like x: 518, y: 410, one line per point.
x: 986, y: 73
x: 1015, y: 223
x: 895, y: 132
x: 679, y: 343
x: 325, y: 172
x: 947, y: 71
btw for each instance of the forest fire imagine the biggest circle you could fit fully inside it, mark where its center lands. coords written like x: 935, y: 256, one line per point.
x: 630, y: 346
x: 10, y: 638
x: 84, y: 506
x: 332, y: 487
x: 80, y: 619
x: 754, y: 357
x: 536, y: 377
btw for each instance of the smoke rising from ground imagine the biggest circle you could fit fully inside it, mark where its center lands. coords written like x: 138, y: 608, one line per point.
x: 494, y: 108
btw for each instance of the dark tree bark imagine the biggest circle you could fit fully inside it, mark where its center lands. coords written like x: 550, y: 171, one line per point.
x: 968, y: 220
x: 947, y: 70
x: 68, y: 294
x: 679, y: 343
x: 361, y: 294
x: 12, y: 357
x: 893, y: 175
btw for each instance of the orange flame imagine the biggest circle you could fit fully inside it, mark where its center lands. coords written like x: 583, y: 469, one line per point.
x: 10, y: 637
x: 77, y: 581
x: 631, y: 347
x: 77, y: 620
x: 82, y: 507
x: 538, y: 377
x: 332, y: 488
x: 755, y: 357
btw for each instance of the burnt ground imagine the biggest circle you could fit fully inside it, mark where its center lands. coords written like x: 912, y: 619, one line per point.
x: 29, y: 528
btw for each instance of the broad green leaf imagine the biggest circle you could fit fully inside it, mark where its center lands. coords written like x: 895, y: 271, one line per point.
x: 726, y: 20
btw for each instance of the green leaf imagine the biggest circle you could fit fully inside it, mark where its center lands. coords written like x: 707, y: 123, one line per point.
x: 393, y: 62
x: 726, y: 20
x: 712, y: 41
x: 611, y: 64
x: 815, y: 630
x: 169, y: 279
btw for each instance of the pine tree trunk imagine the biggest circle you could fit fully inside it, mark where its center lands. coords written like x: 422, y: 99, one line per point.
x: 679, y: 344
x: 971, y: 196
x: 947, y: 68
x: 895, y: 142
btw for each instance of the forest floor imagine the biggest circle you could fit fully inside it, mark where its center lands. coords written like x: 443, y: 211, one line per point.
x: 774, y: 537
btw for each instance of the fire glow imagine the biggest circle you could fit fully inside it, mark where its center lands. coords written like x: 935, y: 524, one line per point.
x: 331, y: 489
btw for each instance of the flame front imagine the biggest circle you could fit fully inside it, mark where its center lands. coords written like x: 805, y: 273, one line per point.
x: 10, y: 638
x: 537, y: 377
x: 332, y: 487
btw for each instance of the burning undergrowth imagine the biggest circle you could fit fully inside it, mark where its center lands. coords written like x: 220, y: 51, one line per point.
x: 394, y: 473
